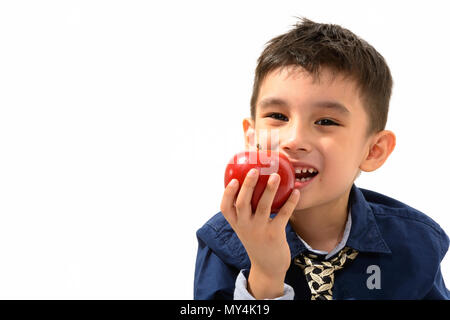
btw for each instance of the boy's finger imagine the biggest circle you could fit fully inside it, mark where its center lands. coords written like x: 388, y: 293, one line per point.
x: 287, y: 209
x: 227, y: 205
x: 266, y: 200
x: 244, y: 198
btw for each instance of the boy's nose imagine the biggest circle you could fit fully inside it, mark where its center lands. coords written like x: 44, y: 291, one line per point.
x: 292, y: 148
x: 295, y: 143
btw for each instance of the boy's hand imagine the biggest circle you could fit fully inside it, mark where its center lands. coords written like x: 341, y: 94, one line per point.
x: 264, y: 238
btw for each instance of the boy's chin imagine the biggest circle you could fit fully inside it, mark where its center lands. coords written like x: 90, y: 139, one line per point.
x: 302, y: 205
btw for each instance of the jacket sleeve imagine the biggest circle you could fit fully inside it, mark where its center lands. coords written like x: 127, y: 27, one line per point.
x: 213, y: 278
x: 438, y: 290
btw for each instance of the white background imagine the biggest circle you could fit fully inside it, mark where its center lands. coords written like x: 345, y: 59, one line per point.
x: 117, y: 119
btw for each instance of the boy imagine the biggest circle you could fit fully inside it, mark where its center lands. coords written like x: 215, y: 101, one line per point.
x: 326, y: 94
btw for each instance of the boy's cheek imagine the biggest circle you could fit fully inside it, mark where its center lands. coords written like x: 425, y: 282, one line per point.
x: 268, y: 139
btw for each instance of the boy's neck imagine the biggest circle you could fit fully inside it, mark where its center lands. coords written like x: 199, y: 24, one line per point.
x: 322, y: 227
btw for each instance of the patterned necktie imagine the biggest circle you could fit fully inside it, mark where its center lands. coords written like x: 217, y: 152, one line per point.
x: 320, y: 273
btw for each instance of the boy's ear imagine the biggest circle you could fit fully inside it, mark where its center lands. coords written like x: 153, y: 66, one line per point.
x: 249, y: 134
x: 380, y: 147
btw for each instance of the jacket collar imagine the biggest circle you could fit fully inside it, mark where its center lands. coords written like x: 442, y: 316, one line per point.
x: 364, y: 234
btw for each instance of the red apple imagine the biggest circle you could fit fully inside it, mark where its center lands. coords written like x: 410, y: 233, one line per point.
x: 266, y: 162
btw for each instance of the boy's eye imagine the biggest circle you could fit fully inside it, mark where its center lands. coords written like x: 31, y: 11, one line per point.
x: 326, y: 122
x: 277, y: 116
x: 321, y: 122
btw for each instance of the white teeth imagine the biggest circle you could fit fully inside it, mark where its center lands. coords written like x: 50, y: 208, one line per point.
x: 303, y: 179
x: 304, y: 170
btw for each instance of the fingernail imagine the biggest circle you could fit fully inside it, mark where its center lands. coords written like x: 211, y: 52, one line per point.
x: 273, y: 178
x: 233, y: 183
x: 253, y: 173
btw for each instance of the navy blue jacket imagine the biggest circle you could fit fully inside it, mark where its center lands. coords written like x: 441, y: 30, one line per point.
x: 402, y: 243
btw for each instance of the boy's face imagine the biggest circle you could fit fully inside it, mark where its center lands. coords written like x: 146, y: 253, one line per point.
x: 322, y: 124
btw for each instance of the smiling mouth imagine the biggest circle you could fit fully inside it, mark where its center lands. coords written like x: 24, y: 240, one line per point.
x: 305, y: 174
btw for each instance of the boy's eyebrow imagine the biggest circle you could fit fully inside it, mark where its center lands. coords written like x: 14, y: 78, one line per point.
x: 272, y: 102
x: 334, y: 105
x: 338, y: 107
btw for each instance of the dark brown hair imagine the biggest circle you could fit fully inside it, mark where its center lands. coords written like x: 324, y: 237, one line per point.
x: 314, y: 46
